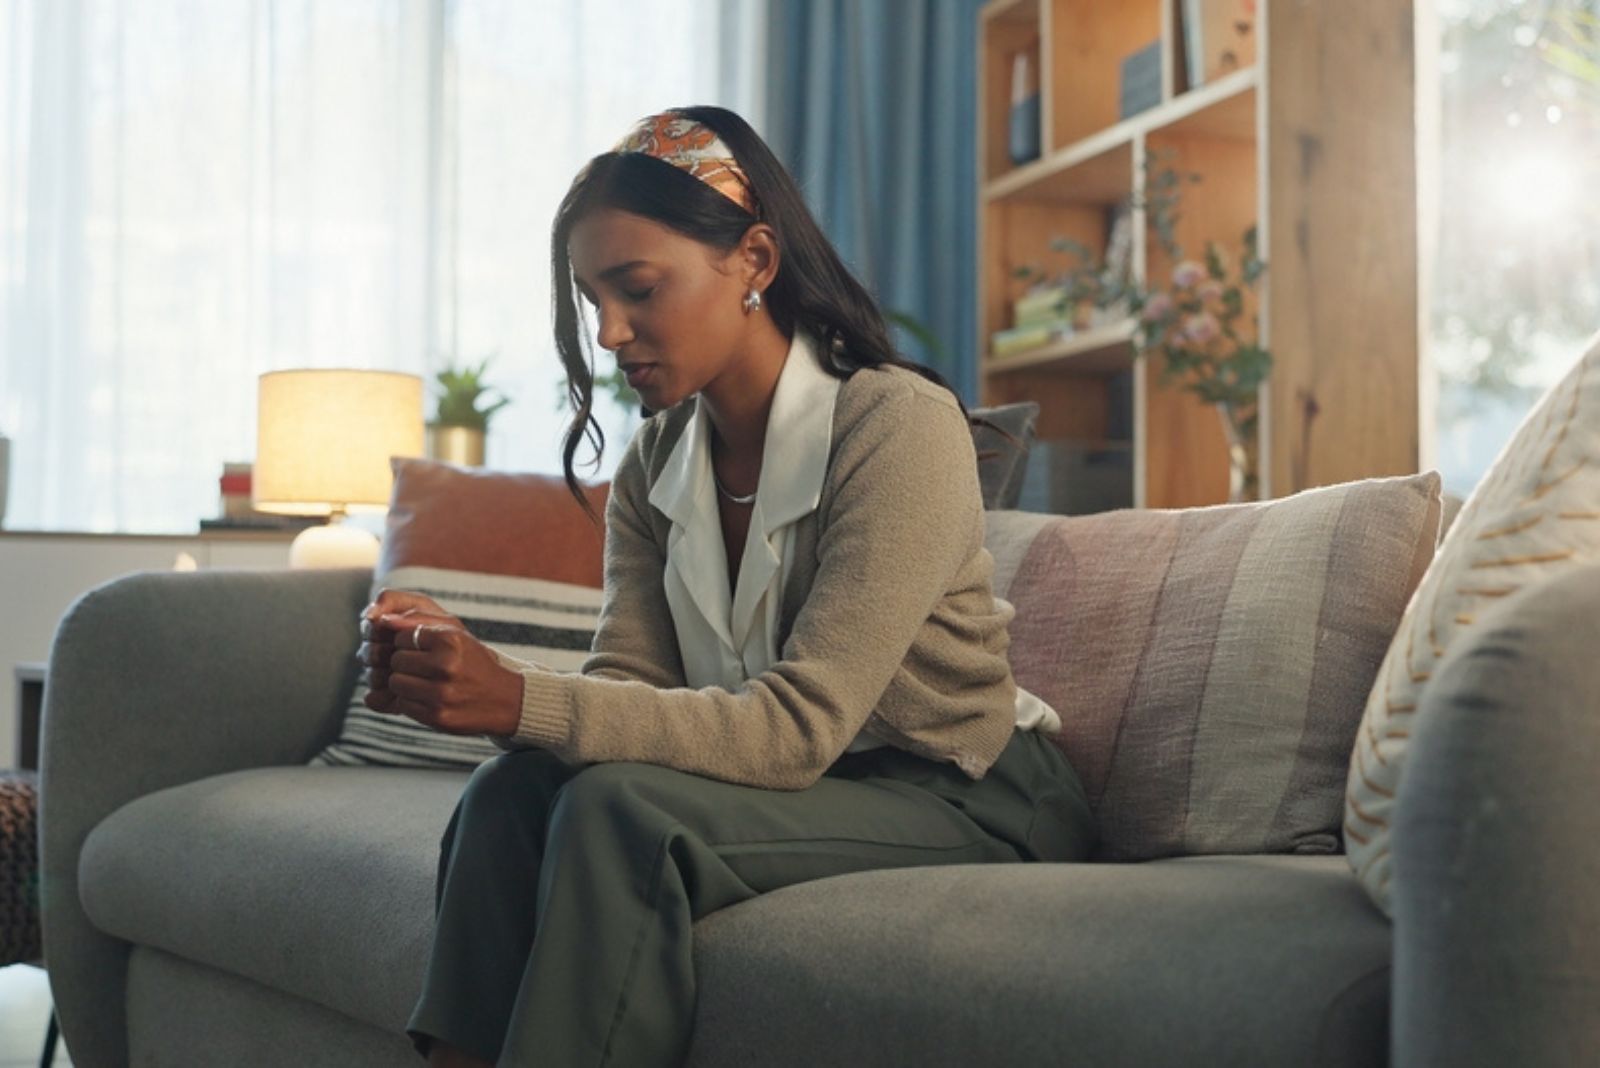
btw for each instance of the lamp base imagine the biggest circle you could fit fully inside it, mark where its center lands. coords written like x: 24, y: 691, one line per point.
x: 335, y: 545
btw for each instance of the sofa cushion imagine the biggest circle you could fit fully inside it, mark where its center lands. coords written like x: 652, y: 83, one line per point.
x: 1534, y: 517
x: 467, y: 519
x: 183, y: 1013
x: 1002, y: 463
x: 319, y: 883
x: 465, y: 537
x: 1210, y: 664
x: 1193, y: 961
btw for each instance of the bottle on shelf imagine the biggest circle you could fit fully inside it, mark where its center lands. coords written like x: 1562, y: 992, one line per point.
x: 1025, y: 120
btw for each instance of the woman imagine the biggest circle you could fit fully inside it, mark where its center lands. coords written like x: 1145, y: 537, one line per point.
x: 799, y: 669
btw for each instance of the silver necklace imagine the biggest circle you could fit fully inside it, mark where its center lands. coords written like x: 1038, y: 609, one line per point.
x: 724, y: 491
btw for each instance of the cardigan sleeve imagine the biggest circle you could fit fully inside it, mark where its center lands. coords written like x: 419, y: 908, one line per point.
x: 904, y: 519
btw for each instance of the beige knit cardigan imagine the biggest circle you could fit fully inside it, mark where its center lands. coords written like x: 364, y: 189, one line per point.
x: 888, y: 619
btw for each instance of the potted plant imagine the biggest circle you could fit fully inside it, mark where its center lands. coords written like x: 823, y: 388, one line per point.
x: 460, y: 425
x: 615, y: 384
x: 1193, y: 322
x: 1197, y: 322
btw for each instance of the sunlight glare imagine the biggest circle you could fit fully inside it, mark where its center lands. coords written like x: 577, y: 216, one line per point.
x: 1532, y: 188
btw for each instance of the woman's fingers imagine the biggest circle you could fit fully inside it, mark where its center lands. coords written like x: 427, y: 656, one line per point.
x: 380, y: 700
x: 403, y: 627
x: 375, y: 654
x: 419, y: 664
x: 401, y: 605
x: 389, y: 601
x: 450, y: 681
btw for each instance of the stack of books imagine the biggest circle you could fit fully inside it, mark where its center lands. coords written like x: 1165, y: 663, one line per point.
x: 1042, y: 316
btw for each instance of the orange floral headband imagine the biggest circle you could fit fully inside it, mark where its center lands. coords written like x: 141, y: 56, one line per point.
x: 693, y: 147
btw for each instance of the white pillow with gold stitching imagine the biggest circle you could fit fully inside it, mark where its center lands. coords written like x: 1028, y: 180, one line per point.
x: 1536, y: 512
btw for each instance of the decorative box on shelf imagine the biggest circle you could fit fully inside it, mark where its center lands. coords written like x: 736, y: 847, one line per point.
x: 1078, y: 477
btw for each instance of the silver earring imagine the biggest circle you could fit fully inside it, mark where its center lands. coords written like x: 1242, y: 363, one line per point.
x: 752, y: 301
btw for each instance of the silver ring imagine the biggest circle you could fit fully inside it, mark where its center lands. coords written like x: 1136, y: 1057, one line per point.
x: 416, y: 637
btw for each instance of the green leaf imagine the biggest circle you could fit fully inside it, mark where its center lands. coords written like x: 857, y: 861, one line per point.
x: 1214, y: 266
x: 1570, y: 61
x: 921, y: 331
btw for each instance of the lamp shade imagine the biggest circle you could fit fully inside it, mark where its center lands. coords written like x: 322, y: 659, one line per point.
x: 324, y: 438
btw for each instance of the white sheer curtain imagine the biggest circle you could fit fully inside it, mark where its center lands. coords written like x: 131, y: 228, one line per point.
x: 193, y: 192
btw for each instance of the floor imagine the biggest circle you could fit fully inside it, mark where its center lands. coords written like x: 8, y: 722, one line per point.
x: 24, y: 1011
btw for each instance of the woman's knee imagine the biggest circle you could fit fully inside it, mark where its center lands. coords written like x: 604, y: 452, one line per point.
x: 618, y: 792
x: 511, y: 784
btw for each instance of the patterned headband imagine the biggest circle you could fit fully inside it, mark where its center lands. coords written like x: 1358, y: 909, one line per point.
x: 693, y: 147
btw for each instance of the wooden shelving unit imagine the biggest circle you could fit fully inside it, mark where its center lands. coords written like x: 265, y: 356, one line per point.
x: 1313, y: 143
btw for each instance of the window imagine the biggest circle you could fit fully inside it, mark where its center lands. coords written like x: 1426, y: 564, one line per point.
x: 193, y: 192
x: 1516, y: 240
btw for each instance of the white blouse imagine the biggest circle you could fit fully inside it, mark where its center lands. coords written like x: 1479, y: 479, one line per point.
x: 728, y: 636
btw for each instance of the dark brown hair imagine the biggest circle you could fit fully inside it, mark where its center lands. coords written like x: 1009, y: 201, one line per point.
x: 813, y: 289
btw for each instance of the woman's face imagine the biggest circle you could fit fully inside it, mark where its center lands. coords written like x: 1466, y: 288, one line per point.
x: 668, y: 306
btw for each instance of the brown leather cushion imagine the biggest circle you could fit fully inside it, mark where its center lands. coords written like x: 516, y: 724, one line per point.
x: 493, y: 522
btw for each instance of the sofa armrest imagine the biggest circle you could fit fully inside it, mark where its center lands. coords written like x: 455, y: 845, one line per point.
x: 1496, y: 891
x: 158, y: 679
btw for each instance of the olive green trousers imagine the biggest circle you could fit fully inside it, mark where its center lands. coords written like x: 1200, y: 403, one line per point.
x: 566, y: 895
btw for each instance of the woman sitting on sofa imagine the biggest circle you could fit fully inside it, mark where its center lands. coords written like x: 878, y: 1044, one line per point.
x: 799, y: 669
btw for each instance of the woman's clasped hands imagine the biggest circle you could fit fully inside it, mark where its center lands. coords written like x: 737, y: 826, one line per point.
x: 422, y: 663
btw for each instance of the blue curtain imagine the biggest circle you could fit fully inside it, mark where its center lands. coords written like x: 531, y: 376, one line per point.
x: 873, y: 107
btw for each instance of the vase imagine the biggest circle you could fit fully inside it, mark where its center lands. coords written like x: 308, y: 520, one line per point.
x: 1240, y: 425
x: 463, y: 445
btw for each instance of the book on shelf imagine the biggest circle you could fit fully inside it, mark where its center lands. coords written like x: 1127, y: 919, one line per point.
x: 1040, y: 306
x: 1140, y: 85
x: 1029, y: 336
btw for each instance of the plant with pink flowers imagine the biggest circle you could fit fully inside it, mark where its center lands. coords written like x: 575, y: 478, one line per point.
x: 1199, y: 325
x: 1206, y: 336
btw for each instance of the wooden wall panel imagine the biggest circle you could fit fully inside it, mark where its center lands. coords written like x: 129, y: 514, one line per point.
x: 1018, y: 233
x: 1089, y: 39
x: 1341, y: 242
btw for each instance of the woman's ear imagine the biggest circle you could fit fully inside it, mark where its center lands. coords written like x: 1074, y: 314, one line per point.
x: 760, y: 256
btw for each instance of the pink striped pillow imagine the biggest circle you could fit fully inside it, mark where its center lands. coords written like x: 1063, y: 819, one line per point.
x: 1210, y: 665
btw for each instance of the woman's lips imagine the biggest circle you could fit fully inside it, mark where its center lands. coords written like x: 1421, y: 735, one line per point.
x: 638, y: 374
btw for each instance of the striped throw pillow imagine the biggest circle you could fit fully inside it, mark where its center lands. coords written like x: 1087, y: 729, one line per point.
x: 1535, y: 514
x: 1210, y: 664
x: 531, y: 619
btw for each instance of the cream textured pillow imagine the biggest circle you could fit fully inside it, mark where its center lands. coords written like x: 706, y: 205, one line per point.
x: 1536, y: 512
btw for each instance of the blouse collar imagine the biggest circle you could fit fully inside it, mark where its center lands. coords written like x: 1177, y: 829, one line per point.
x: 794, y: 464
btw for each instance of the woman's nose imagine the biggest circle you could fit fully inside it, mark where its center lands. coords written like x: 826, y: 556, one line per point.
x: 614, y: 329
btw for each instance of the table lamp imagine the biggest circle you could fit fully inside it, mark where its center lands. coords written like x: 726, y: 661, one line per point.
x: 323, y: 443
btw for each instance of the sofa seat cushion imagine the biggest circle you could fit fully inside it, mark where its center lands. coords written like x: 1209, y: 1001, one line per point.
x: 317, y: 882
x: 1276, y: 960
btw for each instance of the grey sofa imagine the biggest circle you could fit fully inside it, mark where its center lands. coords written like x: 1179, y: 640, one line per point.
x: 209, y: 900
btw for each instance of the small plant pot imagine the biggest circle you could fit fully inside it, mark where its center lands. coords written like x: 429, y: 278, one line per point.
x: 462, y: 445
